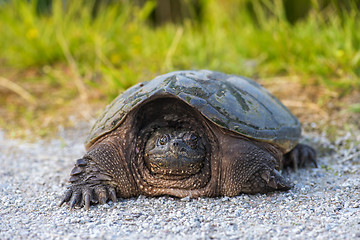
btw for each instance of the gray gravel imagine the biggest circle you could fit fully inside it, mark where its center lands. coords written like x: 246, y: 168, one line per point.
x: 324, y: 203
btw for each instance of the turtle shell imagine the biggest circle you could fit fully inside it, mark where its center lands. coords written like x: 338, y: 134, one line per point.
x: 229, y: 101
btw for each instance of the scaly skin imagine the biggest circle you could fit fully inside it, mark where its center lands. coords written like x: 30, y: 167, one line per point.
x: 114, y: 165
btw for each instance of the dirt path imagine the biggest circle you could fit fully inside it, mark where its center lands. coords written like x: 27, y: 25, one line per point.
x: 324, y: 204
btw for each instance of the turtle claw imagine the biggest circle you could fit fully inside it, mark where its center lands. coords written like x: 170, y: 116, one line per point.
x: 112, y: 194
x: 87, y: 195
x: 87, y: 201
x: 76, y: 197
x: 274, y: 180
x: 101, y: 193
x: 84, y: 196
x: 66, y: 197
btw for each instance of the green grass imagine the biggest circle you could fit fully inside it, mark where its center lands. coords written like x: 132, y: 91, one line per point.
x: 116, y: 49
x: 122, y: 48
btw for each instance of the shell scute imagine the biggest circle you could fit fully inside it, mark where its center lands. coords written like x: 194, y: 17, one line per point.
x: 232, y: 102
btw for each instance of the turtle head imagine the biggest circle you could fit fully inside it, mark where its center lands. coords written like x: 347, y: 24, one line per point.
x: 173, y: 152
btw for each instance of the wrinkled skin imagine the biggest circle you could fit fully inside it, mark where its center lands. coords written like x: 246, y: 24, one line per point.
x: 167, y: 148
x: 174, y: 153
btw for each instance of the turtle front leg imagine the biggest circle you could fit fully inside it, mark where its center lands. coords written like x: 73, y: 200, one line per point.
x: 249, y: 167
x: 102, y: 174
x: 300, y: 156
x: 88, y: 185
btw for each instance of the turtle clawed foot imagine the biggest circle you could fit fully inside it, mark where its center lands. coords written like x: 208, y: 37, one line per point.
x: 266, y: 180
x: 274, y: 180
x: 84, y: 196
x: 300, y: 156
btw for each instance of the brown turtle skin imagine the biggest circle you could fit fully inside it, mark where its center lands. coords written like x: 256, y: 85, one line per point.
x: 116, y: 165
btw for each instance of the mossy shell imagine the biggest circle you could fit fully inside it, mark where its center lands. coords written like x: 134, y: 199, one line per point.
x: 229, y: 101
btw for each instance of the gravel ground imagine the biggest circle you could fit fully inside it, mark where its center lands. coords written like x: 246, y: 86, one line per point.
x: 324, y: 203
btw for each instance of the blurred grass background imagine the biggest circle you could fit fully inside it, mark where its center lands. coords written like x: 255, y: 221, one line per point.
x: 61, y: 59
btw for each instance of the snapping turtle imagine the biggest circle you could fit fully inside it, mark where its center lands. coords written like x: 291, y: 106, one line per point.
x: 188, y: 133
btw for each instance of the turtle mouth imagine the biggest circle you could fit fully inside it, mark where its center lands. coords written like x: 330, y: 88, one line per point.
x: 174, y: 164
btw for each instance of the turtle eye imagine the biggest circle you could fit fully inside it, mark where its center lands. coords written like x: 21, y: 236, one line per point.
x: 191, y: 139
x: 163, y: 139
